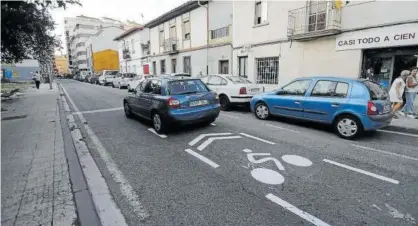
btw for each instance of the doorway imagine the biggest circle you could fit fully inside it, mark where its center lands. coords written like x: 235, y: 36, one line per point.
x: 403, y: 62
x: 223, y: 67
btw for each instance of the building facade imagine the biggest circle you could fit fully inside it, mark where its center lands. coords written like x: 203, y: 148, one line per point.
x: 133, y: 49
x: 102, y: 50
x: 277, y: 41
x: 61, y: 64
x: 194, y: 38
x: 78, y: 30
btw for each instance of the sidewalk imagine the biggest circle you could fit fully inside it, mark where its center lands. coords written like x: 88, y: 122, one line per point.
x: 405, y: 124
x: 35, y: 186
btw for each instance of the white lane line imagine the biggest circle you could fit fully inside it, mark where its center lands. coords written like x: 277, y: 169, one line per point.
x: 295, y: 210
x: 203, y: 158
x: 228, y: 115
x: 362, y: 171
x: 110, y: 213
x: 201, y: 136
x: 213, y: 124
x: 211, y: 139
x: 282, y: 128
x: 99, y: 110
x: 257, y: 138
x: 385, y: 152
x: 399, y: 133
x: 154, y: 132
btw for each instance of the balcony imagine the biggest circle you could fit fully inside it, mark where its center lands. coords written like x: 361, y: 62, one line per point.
x: 126, y: 54
x: 170, y: 46
x: 315, y: 20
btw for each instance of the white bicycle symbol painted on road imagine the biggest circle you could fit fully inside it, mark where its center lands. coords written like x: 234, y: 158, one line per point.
x: 269, y: 176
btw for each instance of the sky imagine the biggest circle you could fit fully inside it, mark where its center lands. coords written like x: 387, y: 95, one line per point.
x: 117, y: 9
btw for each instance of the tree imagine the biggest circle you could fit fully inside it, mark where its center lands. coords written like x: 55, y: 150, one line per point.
x: 27, y: 30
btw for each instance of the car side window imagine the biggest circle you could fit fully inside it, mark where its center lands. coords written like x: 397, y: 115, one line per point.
x: 155, y: 87
x: 224, y: 82
x: 205, y: 79
x: 341, y: 90
x: 324, y: 89
x: 297, y: 88
x: 215, y: 80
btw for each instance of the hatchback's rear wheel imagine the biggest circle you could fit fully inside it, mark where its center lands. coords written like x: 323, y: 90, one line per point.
x: 262, y: 111
x: 158, y: 123
x: 127, y: 109
x: 347, y: 127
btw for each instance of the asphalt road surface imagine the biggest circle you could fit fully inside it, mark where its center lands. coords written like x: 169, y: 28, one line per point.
x: 243, y: 171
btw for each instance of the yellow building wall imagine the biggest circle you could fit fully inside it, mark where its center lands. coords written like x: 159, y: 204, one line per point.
x: 105, y: 60
x: 62, y: 64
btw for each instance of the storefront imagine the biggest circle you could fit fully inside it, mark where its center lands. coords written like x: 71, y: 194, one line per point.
x: 386, y: 51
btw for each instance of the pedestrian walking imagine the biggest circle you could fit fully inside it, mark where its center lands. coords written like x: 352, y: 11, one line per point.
x: 37, y: 78
x: 411, y: 90
x: 396, y: 91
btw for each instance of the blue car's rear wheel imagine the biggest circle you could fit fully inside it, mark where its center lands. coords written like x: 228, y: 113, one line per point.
x: 262, y: 111
x: 348, y: 126
x: 158, y: 123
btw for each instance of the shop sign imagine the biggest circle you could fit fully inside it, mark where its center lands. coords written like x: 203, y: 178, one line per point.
x: 377, y: 38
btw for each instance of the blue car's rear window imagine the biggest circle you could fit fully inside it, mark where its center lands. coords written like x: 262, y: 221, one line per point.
x: 178, y: 87
x: 376, y: 91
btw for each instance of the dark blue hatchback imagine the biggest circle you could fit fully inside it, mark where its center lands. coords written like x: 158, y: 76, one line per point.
x: 172, y: 100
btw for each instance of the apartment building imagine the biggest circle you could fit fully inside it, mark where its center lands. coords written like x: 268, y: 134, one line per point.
x: 102, y: 50
x: 194, y: 38
x: 133, y: 48
x: 77, y: 31
x: 278, y: 41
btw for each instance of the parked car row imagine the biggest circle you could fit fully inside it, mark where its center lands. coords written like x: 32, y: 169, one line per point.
x: 350, y: 106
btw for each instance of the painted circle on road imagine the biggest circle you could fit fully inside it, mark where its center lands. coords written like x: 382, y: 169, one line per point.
x: 297, y: 160
x: 267, y: 176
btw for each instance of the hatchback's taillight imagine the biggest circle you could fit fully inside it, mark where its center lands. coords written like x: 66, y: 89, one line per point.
x: 371, y: 108
x: 173, y: 103
x: 243, y: 90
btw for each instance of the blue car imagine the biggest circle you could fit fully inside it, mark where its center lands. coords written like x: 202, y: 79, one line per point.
x: 168, y: 101
x: 351, y: 106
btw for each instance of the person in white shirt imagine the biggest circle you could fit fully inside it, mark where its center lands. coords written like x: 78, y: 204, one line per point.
x: 37, y: 78
x: 411, y: 90
x: 396, y: 92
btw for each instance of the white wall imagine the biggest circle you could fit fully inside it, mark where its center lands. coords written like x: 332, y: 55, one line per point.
x: 198, y: 27
x: 135, y: 61
x: 369, y: 13
x: 104, y: 40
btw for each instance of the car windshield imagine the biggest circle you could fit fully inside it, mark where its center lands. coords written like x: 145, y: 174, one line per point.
x: 107, y: 73
x: 129, y: 75
x: 238, y: 80
x: 181, y: 74
x: 376, y: 91
x: 186, y: 87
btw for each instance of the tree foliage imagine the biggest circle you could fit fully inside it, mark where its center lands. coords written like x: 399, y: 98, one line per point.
x: 27, y: 30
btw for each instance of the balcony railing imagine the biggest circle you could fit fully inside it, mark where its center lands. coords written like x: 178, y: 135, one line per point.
x: 126, y: 54
x: 171, y: 46
x: 315, y: 20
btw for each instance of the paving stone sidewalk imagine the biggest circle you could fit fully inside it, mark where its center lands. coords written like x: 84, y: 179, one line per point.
x: 35, y: 183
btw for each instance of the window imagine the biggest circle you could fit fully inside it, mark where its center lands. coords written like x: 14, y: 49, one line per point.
x: 267, y: 70
x: 205, y: 79
x: 186, y: 30
x: 186, y: 86
x: 260, y: 12
x: 173, y: 33
x: 219, y: 33
x: 243, y: 66
x: 330, y: 89
x: 215, y: 80
x: 155, y: 86
x: 375, y: 90
x: 238, y: 80
x: 223, y: 67
x: 162, y: 65
x: 129, y: 69
x: 173, y: 65
x: 133, y: 45
x: 134, y: 68
x: 298, y: 88
x: 141, y: 86
x: 161, y: 38
x: 317, y: 15
x: 187, y: 67
x: 154, y: 68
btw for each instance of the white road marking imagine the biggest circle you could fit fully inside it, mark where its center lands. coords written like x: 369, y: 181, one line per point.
x: 99, y: 110
x: 213, y: 124
x: 267, y: 176
x: 362, y: 171
x: 203, y: 158
x: 295, y: 210
x: 211, y: 139
x: 385, y: 152
x: 399, y: 133
x: 228, y: 115
x: 110, y: 213
x: 297, y: 160
x: 257, y: 138
x: 154, y: 132
x: 282, y: 128
x: 201, y: 136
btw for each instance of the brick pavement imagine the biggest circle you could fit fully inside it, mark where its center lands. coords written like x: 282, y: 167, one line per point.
x: 35, y: 188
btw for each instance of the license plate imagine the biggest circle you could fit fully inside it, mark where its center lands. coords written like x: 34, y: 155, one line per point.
x: 387, y: 109
x: 198, y: 103
x: 255, y: 90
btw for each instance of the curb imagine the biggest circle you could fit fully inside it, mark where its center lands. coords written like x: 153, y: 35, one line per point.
x: 105, y: 207
x: 16, y: 116
x: 401, y: 129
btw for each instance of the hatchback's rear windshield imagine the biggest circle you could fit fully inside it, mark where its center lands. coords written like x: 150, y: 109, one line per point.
x: 238, y: 80
x: 186, y: 87
x: 376, y: 91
